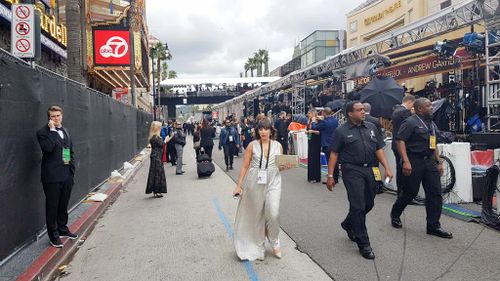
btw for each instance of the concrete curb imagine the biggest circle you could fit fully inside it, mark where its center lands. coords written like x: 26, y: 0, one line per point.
x: 47, y: 263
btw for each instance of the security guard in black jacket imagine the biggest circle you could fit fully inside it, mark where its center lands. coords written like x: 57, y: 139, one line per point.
x: 357, y: 145
x: 417, y: 145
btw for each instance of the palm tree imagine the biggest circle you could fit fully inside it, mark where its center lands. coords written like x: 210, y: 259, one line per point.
x: 264, y: 57
x: 247, y: 68
x: 258, y: 63
x: 164, y: 70
x: 252, y: 63
x: 74, y: 47
x: 172, y: 74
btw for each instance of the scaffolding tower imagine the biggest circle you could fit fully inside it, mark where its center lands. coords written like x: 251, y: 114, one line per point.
x: 298, y: 98
x: 491, y: 14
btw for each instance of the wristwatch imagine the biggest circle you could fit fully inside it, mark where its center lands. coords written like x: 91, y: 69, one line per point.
x: 329, y: 175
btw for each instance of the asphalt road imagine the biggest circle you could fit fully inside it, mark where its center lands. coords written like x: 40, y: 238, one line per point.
x: 311, y: 216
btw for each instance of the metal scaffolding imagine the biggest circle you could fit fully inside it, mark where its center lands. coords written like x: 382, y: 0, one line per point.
x: 491, y: 12
x: 298, y: 99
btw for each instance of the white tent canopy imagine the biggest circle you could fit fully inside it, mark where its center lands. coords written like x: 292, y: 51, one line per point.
x: 218, y: 81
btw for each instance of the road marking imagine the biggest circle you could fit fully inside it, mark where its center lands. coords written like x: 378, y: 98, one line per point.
x: 248, y: 265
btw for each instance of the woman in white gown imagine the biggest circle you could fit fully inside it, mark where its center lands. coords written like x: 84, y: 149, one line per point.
x: 259, y: 186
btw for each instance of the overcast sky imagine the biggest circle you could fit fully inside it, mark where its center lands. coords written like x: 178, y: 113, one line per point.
x: 214, y: 38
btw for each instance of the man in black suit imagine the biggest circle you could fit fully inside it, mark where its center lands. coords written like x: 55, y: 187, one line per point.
x: 398, y: 116
x: 282, y: 131
x: 368, y: 118
x: 58, y: 170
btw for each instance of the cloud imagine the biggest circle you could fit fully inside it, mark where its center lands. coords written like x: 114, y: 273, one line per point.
x: 214, y: 38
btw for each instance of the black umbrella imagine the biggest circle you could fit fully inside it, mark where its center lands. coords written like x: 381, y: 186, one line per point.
x: 335, y: 104
x: 382, y: 93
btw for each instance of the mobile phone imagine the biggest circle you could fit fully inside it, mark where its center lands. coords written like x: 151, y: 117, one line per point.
x: 387, y: 180
x: 236, y: 196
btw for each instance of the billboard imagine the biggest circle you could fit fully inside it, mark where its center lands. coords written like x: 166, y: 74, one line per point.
x: 111, y: 47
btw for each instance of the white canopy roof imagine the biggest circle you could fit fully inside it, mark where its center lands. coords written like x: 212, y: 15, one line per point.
x: 218, y: 81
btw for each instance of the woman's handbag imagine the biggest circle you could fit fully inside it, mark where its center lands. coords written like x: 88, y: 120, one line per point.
x: 196, y: 145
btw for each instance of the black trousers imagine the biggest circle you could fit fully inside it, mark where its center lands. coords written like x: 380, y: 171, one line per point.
x: 56, y: 207
x: 284, y: 144
x: 336, y: 173
x: 208, y: 150
x: 172, y: 152
x: 423, y: 171
x: 229, y: 152
x: 399, y: 171
x: 360, y: 185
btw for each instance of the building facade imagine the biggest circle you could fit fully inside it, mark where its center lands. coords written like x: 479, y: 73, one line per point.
x: 374, y: 18
x: 53, y: 33
x: 319, y: 45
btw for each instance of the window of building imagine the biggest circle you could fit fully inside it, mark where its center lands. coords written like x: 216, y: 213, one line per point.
x: 353, y: 27
x: 445, y: 4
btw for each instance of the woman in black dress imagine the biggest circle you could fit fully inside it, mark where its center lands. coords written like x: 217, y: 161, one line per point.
x: 157, y: 182
x: 313, y: 151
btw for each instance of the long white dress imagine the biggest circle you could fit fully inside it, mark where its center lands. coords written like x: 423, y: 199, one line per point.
x: 257, y: 216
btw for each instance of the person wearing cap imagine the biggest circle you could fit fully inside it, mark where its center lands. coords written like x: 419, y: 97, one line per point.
x: 357, y: 146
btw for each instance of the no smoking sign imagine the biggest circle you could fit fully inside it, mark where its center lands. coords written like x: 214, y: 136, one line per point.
x: 22, y: 31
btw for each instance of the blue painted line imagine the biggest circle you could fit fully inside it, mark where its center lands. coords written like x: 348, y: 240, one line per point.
x: 248, y: 265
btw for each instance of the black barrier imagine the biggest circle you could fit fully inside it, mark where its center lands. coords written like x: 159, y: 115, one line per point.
x: 105, y: 133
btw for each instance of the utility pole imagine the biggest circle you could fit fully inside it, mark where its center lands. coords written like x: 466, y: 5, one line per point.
x: 131, y: 24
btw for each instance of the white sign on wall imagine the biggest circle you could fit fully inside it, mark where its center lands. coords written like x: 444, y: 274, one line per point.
x: 22, y: 31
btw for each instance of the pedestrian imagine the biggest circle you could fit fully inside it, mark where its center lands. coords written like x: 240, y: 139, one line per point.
x: 376, y: 122
x: 313, y: 150
x: 164, y: 134
x: 368, y: 118
x: 230, y: 141
x: 357, y: 146
x: 180, y: 142
x: 417, y: 145
x: 398, y: 116
x: 246, y: 133
x: 171, y: 151
x: 259, y: 189
x: 326, y: 125
x: 197, y: 140
x: 57, y: 175
x: 282, y: 131
x: 207, y: 135
x: 157, y: 182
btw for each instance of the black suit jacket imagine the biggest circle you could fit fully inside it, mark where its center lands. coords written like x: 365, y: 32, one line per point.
x: 53, y: 168
x: 207, y: 136
x: 398, y: 116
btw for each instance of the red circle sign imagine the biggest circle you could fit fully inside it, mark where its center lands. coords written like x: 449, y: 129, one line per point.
x: 22, y: 28
x: 23, y: 12
x: 23, y: 45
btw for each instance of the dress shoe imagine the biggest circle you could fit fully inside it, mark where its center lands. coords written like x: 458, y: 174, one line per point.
x: 231, y: 168
x: 56, y: 242
x: 439, y: 232
x: 70, y: 235
x: 367, y: 252
x: 396, y: 222
x: 179, y: 174
x: 349, y: 231
x: 227, y: 168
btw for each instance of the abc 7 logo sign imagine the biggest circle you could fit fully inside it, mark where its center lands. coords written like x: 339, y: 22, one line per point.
x: 116, y: 47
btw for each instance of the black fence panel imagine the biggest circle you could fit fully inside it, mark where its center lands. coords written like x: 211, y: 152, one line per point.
x: 105, y: 133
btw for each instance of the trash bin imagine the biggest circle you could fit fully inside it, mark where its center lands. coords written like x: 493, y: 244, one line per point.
x: 478, y: 186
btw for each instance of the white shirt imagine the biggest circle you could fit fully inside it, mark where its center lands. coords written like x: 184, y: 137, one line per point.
x: 60, y: 132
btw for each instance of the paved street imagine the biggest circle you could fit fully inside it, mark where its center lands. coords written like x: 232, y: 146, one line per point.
x: 183, y: 236
x: 187, y: 236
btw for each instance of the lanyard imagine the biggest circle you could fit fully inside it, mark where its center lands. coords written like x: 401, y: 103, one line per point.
x: 433, y: 132
x: 262, y: 154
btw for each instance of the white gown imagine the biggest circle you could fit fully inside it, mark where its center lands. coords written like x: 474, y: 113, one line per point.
x: 257, y: 216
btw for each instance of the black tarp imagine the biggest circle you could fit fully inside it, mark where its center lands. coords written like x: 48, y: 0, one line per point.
x: 105, y: 134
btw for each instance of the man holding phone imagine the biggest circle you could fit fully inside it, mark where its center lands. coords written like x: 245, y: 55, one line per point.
x: 58, y: 171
